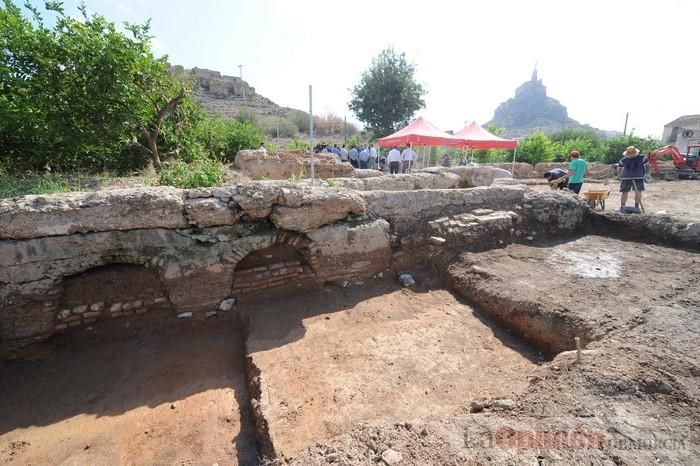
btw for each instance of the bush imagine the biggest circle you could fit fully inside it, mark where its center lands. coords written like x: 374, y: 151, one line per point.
x: 536, y: 148
x: 354, y: 141
x: 300, y: 120
x: 241, y: 136
x: 493, y: 155
x: 297, y: 177
x: 588, y: 142
x: 286, y: 128
x: 12, y: 186
x: 298, y: 144
x: 198, y: 174
x: 246, y: 115
x: 614, y: 147
x: 328, y: 125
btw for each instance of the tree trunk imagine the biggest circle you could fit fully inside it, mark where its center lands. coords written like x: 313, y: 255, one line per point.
x: 161, y: 115
x: 152, y: 137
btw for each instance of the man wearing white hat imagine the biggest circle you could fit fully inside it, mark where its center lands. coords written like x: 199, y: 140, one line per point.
x: 631, y: 169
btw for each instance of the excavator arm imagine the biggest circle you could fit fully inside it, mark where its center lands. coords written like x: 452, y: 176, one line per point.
x: 671, y: 150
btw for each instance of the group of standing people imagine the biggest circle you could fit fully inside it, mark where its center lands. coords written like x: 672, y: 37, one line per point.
x: 368, y: 157
x: 401, y: 161
x: 365, y: 156
x: 632, y: 169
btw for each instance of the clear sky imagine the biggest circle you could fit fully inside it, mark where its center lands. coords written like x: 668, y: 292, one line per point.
x: 599, y: 58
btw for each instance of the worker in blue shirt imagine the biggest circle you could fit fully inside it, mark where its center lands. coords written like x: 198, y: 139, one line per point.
x: 631, y: 170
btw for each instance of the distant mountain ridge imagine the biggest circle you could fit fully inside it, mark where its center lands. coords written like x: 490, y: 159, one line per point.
x: 226, y: 95
x: 533, y: 110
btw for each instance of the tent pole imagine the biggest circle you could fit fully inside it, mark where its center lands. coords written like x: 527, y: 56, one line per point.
x: 512, y: 170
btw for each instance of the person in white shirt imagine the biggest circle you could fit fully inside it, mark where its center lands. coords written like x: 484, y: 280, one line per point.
x: 394, y: 159
x: 372, y: 161
x: 364, y: 157
x: 407, y: 157
x: 352, y: 155
x: 343, y: 154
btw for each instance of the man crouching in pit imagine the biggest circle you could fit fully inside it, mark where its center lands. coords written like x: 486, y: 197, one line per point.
x: 557, y: 178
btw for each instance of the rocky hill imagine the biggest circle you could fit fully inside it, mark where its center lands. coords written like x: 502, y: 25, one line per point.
x: 532, y: 110
x: 227, y: 95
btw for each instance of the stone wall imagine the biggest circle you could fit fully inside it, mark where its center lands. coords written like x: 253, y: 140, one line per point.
x: 79, y: 259
x: 282, y: 165
x: 519, y: 169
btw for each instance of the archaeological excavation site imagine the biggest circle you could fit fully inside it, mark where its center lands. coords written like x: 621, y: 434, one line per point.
x: 444, y: 317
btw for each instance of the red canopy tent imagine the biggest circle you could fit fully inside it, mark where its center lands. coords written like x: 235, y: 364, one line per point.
x: 474, y: 136
x: 419, y: 133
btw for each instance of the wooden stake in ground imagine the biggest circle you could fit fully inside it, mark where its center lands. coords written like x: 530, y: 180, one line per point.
x: 578, y: 349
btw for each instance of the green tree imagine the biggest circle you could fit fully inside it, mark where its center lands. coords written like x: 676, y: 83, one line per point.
x: 588, y: 142
x: 536, y: 148
x: 387, y: 95
x: 614, y: 147
x: 80, y: 93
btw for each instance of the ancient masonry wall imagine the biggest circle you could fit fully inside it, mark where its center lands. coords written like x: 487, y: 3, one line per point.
x: 77, y: 259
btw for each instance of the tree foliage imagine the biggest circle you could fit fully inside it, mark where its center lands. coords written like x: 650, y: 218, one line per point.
x: 80, y: 93
x: 591, y: 145
x: 387, y: 95
x: 536, y: 148
x: 615, y: 146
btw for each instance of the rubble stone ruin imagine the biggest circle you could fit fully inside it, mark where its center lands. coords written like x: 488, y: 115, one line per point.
x: 264, y: 323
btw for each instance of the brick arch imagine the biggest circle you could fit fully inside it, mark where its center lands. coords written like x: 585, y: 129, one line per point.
x: 109, y: 290
x: 269, y: 260
x: 271, y: 238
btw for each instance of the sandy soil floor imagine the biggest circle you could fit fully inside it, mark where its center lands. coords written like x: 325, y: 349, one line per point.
x: 678, y: 198
x: 376, y: 353
x: 170, y: 396
x: 595, y: 283
x: 632, y: 396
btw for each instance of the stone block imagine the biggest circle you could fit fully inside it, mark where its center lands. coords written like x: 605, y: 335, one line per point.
x: 64, y: 214
x: 227, y: 304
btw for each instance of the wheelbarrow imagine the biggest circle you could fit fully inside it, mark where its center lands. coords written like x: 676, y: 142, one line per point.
x: 597, y: 197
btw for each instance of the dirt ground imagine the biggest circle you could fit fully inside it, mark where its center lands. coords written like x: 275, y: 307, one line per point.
x: 376, y: 353
x: 594, y: 285
x: 367, y: 374
x: 633, y: 397
x: 154, y: 395
x: 678, y: 198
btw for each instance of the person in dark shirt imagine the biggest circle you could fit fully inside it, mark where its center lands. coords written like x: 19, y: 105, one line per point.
x: 631, y: 170
x: 558, y: 178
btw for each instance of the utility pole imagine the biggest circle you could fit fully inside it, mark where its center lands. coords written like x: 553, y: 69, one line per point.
x: 240, y: 71
x: 311, y: 137
x: 277, y: 121
x: 624, y: 132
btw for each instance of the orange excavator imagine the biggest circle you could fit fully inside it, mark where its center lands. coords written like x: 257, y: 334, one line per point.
x: 684, y: 165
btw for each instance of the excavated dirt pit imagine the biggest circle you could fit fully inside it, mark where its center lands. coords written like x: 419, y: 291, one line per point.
x: 331, y: 360
x: 155, y: 392
x: 322, y: 364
